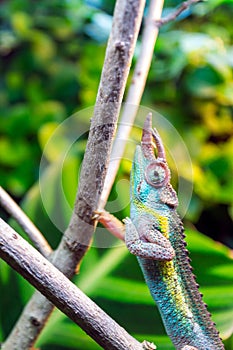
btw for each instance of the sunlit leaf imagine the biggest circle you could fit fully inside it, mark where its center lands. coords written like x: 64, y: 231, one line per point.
x: 21, y: 23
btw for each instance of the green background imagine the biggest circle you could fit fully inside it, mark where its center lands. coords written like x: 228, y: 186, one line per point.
x: 52, y: 53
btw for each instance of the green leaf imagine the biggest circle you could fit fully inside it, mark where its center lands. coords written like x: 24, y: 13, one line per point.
x: 202, y: 82
x: 124, y: 291
x: 68, y: 335
x: 21, y: 23
x: 13, y: 153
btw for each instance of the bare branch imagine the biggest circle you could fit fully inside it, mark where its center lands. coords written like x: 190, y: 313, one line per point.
x: 136, y: 89
x: 127, y: 20
x: 177, y: 12
x: 126, y: 23
x: 23, y: 220
x: 19, y: 254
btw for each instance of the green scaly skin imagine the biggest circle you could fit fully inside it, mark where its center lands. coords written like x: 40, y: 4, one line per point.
x: 155, y: 234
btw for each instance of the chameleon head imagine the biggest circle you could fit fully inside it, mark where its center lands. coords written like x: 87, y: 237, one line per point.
x: 151, y: 175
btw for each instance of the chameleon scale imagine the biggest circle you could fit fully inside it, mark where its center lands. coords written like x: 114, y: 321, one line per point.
x: 170, y: 280
x: 155, y: 234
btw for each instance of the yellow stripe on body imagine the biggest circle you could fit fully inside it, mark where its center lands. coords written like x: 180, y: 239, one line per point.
x: 162, y: 220
x: 168, y: 271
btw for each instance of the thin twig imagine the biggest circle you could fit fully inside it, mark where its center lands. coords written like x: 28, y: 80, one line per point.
x: 23, y: 220
x: 136, y: 89
x: 176, y: 13
x: 19, y: 254
x: 126, y: 23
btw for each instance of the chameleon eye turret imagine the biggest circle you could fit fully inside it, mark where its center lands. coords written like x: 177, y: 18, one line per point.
x: 157, y: 174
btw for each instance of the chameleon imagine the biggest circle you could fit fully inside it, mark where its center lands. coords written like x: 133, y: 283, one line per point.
x: 155, y: 234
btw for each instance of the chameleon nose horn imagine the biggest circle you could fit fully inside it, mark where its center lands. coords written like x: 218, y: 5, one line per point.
x: 159, y: 145
x: 147, y: 141
x: 148, y: 146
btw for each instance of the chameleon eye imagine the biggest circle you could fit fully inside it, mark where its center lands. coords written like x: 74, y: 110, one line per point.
x: 157, y: 174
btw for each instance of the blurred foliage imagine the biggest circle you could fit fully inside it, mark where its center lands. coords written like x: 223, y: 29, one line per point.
x: 191, y: 83
x: 51, y: 59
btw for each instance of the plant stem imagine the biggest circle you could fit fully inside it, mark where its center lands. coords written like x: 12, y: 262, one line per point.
x: 136, y: 89
x: 176, y: 13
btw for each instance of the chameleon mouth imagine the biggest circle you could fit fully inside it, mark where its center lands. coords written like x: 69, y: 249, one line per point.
x: 148, y: 146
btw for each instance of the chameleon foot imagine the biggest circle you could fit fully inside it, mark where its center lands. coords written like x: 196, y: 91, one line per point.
x: 148, y: 346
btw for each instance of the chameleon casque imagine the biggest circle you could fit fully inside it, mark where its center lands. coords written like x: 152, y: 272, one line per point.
x: 155, y: 234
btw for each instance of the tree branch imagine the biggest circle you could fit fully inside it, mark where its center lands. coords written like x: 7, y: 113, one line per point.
x: 126, y: 23
x: 176, y: 13
x: 23, y: 220
x: 136, y: 89
x: 19, y: 254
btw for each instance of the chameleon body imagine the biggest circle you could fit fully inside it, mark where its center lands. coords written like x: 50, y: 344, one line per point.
x: 155, y: 234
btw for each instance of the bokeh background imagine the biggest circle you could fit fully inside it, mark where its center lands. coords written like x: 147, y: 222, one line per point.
x: 51, y: 54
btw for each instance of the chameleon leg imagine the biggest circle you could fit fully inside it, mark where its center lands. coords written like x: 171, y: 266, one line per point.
x: 151, y: 244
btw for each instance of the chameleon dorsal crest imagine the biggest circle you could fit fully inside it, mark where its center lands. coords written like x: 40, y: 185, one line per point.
x: 155, y: 234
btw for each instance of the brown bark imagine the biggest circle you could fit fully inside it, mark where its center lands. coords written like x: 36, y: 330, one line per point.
x: 77, y: 238
x: 19, y: 254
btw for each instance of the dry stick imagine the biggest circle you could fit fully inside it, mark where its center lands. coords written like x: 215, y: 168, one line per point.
x: 23, y: 220
x: 126, y: 23
x: 177, y: 12
x: 19, y: 254
x: 136, y: 89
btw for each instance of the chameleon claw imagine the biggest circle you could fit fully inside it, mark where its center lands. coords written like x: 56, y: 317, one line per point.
x: 126, y: 220
x: 148, y: 346
x: 96, y: 214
